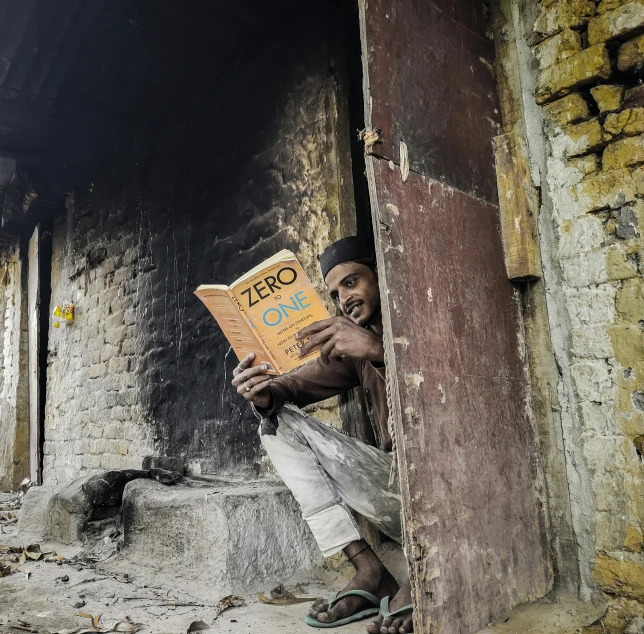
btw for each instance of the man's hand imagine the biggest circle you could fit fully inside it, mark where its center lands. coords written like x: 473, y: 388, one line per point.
x: 339, y: 338
x: 252, y: 383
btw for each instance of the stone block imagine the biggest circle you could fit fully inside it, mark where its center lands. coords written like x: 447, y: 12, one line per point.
x: 591, y: 342
x: 624, y: 153
x: 618, y: 23
x: 596, y: 417
x: 608, y: 97
x: 634, y: 542
x: 557, y: 16
x: 608, y: 189
x: 630, y: 300
x: 91, y: 461
x: 584, y: 270
x: 628, y: 344
x: 625, y: 123
x: 609, y: 5
x: 98, y: 446
x: 589, y: 306
x: 589, y: 66
x: 115, y: 336
x: 621, y: 263
x: 621, y: 575
x: 97, y: 371
x: 634, y: 97
x: 568, y: 109
x: 580, y: 235
x: 592, y: 381
x: 580, y: 138
x: 557, y: 48
x: 631, y: 55
x: 586, y: 164
x: 231, y: 536
x: 118, y: 365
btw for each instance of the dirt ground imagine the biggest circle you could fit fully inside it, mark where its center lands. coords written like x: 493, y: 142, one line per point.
x: 59, y: 594
x: 48, y: 602
x: 48, y: 596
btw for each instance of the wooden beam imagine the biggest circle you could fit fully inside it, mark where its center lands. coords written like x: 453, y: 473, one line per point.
x: 518, y: 206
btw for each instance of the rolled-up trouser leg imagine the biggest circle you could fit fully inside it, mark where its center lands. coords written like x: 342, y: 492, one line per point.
x: 327, y: 471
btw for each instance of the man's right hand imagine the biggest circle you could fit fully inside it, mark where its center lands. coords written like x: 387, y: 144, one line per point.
x: 252, y: 383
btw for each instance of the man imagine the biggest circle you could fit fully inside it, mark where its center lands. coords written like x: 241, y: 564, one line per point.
x: 327, y: 471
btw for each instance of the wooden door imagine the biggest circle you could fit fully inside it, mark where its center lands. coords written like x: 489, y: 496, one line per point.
x: 473, y: 493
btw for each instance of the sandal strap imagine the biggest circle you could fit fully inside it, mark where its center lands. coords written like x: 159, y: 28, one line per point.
x: 384, y: 608
x: 372, y: 598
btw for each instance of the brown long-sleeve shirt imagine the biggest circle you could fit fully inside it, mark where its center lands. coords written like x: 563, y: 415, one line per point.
x: 314, y: 382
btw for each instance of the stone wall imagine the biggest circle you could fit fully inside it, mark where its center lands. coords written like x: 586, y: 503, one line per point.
x: 14, y: 397
x: 587, y: 66
x: 259, y: 163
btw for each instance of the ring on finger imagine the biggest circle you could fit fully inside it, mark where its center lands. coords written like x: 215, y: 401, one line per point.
x: 246, y: 386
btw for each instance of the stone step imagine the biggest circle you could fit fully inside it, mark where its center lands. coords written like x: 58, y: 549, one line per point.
x: 228, y: 534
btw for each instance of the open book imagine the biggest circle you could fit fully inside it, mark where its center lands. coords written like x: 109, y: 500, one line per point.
x: 263, y: 310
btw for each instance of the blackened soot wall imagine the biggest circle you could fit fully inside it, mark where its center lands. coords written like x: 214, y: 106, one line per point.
x: 261, y: 162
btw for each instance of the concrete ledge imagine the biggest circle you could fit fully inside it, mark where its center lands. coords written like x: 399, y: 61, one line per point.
x: 227, y: 534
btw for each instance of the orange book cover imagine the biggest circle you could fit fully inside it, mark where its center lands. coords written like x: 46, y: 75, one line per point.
x: 263, y: 310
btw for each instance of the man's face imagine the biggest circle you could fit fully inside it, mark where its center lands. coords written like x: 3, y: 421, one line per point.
x: 354, y: 288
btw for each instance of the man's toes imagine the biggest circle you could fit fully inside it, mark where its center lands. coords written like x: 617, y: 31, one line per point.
x: 332, y: 615
x: 407, y: 626
x: 318, y: 606
x: 393, y: 628
x: 384, y: 626
x: 374, y: 628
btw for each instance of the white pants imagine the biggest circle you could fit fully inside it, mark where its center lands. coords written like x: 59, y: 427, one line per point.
x: 329, y: 472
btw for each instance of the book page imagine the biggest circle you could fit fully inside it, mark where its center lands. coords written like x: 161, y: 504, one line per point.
x: 239, y: 333
x: 279, y: 299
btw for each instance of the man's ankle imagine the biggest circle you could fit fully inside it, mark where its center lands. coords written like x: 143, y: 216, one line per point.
x: 361, y: 556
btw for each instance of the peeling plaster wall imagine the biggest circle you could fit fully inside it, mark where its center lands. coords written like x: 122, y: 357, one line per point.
x: 581, y: 62
x: 14, y: 396
x: 260, y: 163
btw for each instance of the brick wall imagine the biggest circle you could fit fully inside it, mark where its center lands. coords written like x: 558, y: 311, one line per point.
x: 14, y: 399
x: 261, y: 162
x: 588, y: 59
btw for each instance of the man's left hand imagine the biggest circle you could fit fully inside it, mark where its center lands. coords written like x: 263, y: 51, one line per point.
x: 339, y: 337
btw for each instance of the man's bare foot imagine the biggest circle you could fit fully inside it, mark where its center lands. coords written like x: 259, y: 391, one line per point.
x: 370, y: 576
x: 396, y: 624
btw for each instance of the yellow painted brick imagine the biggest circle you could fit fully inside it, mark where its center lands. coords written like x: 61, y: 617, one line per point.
x: 609, y: 5
x: 568, y: 109
x: 631, y: 55
x: 629, y: 301
x: 624, y: 153
x: 564, y: 14
x: 608, y: 97
x: 589, y: 66
x: 586, y: 164
x: 584, y: 137
x: 634, y: 540
x: 618, y: 23
x: 557, y: 48
x: 608, y: 189
x: 621, y: 577
x: 620, y: 263
x: 625, y: 123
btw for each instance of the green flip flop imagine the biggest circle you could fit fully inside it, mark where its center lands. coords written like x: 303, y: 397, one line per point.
x: 363, y: 614
x: 384, y: 609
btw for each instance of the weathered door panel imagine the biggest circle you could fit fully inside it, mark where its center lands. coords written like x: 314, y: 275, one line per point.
x: 414, y: 45
x: 475, y: 525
